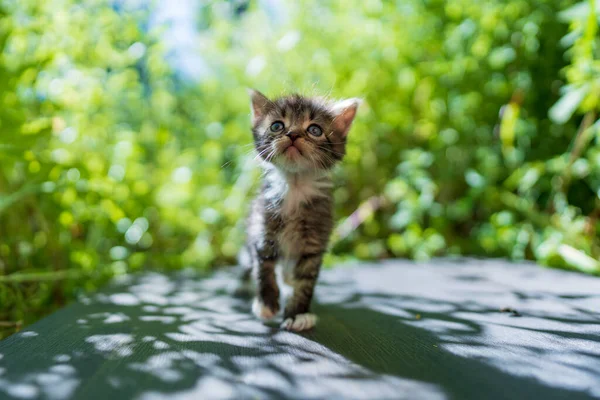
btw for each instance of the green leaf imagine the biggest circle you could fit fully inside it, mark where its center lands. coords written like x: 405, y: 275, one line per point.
x: 508, y: 125
x: 576, y: 12
x: 565, y: 107
x: 578, y: 259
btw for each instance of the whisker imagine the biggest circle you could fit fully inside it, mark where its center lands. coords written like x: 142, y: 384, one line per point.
x: 244, y: 154
x: 226, y: 164
x: 330, y: 150
x: 271, y: 154
x: 261, y: 153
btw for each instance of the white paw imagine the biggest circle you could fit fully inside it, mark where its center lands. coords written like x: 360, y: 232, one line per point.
x: 299, y: 323
x: 262, y: 311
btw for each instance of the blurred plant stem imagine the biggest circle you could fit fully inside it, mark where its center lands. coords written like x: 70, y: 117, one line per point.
x: 10, y: 324
x: 520, y: 204
x: 580, y: 143
x: 358, y: 217
x: 49, y: 276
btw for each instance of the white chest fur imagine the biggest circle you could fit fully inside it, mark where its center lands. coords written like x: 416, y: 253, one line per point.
x: 292, y: 191
x: 301, y: 191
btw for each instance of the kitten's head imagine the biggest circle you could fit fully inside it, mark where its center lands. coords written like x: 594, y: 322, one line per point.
x: 301, y: 134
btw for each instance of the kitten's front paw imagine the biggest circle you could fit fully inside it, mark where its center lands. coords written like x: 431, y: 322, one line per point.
x: 300, y: 322
x: 263, y: 311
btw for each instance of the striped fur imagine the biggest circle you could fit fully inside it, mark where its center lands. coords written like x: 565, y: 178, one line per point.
x: 290, y: 220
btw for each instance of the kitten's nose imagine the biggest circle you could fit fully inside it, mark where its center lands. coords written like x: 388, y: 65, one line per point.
x: 293, y: 136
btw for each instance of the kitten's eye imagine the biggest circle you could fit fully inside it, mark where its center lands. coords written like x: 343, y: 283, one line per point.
x: 315, y: 130
x: 277, y: 126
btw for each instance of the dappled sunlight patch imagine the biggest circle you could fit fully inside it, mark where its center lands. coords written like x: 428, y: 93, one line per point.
x: 159, y: 318
x: 187, y: 297
x: 194, y: 333
x: 219, y: 282
x: 210, y: 386
x: 61, y: 389
x: 247, y: 326
x: 124, y: 299
x: 391, y: 309
x: 204, y: 360
x: 114, y: 382
x: 153, y: 283
x: 120, y: 344
x: 201, y: 326
x: 386, y: 387
x: 177, y: 310
x: 153, y: 298
x: 246, y: 362
x: 221, y: 304
x: 160, y: 345
x: 21, y: 390
x: 47, y: 379
x: 161, y: 366
x: 64, y: 369
x: 111, y: 318
x: 84, y: 300
x: 62, y: 358
x: 58, y: 382
x: 304, y: 364
x: 441, y: 326
x: 266, y: 378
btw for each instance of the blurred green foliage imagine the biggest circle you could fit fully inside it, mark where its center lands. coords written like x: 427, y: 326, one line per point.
x: 478, y: 135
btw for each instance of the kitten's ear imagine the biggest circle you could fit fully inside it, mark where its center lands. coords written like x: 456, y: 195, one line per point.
x: 344, y: 112
x: 259, y: 104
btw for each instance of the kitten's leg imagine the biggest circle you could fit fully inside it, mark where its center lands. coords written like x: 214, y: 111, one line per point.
x: 266, y: 303
x: 296, y: 316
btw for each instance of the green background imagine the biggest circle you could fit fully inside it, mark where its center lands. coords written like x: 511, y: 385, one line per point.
x: 478, y: 133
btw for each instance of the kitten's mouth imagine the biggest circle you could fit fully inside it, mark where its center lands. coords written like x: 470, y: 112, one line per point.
x: 292, y: 152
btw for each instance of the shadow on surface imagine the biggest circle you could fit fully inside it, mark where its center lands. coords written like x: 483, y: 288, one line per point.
x: 386, y: 331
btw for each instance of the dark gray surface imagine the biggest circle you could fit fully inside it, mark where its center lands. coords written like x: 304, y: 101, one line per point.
x: 394, y: 330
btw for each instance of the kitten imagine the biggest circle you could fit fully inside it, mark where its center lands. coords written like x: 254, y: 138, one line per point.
x: 299, y: 140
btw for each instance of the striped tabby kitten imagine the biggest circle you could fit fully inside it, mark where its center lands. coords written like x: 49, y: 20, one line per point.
x: 299, y: 140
